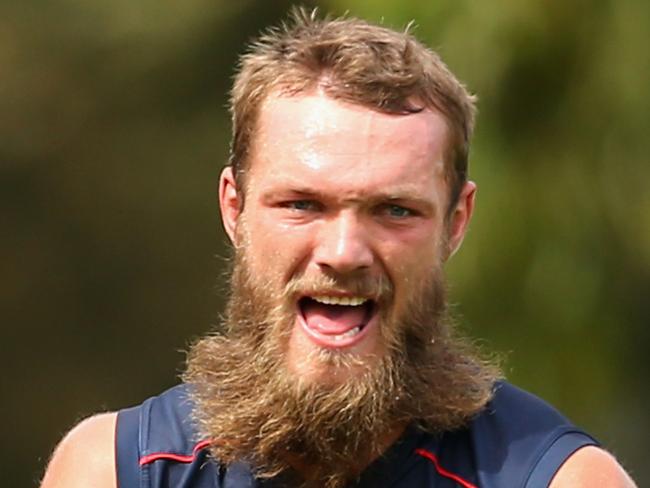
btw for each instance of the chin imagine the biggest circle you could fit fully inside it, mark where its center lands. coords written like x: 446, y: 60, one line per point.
x: 313, y: 364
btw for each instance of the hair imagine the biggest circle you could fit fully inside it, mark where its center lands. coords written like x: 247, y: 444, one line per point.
x: 254, y: 407
x: 354, y: 61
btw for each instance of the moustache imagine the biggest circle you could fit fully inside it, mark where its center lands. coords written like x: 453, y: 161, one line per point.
x: 379, y: 288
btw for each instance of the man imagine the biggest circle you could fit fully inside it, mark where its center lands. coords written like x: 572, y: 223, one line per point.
x: 336, y: 364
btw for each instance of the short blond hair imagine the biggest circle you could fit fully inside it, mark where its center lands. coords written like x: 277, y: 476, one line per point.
x: 355, y: 61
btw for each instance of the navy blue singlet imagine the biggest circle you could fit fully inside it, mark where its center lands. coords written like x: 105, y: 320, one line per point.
x: 518, y: 441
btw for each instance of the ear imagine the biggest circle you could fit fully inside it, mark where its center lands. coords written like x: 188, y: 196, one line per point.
x: 460, y: 217
x: 229, y: 202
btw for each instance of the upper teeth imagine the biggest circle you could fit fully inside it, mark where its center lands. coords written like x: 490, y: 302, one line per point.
x: 329, y: 300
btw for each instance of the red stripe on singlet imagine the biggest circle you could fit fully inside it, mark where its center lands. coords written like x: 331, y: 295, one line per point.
x: 442, y: 471
x: 180, y: 458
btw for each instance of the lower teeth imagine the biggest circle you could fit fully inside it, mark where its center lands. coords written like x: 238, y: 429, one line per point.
x: 349, y: 333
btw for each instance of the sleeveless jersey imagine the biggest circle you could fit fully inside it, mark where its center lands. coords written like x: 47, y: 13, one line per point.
x: 517, y: 441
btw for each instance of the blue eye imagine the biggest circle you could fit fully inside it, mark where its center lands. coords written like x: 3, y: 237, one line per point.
x: 301, y: 205
x: 398, y: 211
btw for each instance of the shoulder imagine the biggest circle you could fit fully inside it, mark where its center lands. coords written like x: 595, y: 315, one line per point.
x: 164, y: 422
x: 108, y: 446
x: 156, y: 443
x: 86, y: 456
x: 519, y: 439
x: 521, y: 403
x: 591, y: 466
x: 518, y: 415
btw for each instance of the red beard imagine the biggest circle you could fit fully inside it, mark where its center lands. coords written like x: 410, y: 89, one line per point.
x: 323, y: 433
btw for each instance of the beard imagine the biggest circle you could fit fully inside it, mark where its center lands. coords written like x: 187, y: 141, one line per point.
x: 324, y: 432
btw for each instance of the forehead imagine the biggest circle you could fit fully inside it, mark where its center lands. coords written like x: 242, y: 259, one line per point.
x: 315, y: 135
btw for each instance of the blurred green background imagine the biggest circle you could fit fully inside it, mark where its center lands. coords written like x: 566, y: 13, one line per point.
x: 113, y: 130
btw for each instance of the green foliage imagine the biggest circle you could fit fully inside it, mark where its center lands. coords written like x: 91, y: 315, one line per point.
x: 113, y: 131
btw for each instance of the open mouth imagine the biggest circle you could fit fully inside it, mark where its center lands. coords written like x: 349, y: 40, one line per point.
x: 336, y: 321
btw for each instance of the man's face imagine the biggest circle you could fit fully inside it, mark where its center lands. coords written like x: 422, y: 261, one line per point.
x: 344, y: 208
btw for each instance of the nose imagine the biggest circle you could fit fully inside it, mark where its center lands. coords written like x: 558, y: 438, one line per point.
x: 343, y: 245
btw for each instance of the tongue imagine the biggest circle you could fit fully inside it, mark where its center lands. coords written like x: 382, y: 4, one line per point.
x: 332, y: 319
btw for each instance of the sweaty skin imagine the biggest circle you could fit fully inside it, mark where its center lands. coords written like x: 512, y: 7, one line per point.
x: 85, y: 458
x: 337, y: 189
x: 333, y: 188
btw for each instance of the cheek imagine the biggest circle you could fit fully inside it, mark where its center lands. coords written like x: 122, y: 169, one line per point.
x: 412, y: 255
x: 276, y: 253
x: 409, y: 267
